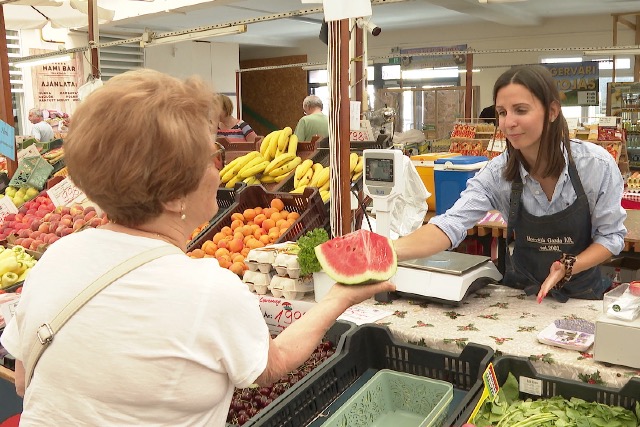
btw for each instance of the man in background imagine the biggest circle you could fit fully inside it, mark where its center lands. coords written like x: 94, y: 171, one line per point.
x: 314, y: 122
x: 41, y: 130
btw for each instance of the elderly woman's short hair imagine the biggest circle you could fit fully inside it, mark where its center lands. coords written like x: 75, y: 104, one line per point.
x: 140, y: 141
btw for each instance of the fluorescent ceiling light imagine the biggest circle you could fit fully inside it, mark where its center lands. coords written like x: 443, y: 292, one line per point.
x: 42, y: 61
x: 235, y: 29
x: 613, y: 51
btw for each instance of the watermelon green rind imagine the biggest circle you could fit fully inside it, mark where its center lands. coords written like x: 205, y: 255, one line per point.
x: 358, y: 258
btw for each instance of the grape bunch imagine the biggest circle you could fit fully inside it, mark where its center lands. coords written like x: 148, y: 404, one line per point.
x: 247, y: 402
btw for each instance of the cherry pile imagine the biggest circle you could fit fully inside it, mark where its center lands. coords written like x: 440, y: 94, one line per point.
x: 247, y: 402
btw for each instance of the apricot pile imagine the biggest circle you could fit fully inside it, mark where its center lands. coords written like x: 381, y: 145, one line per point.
x: 253, y: 228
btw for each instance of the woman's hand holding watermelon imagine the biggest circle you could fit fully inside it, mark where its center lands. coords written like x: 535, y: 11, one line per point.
x: 354, y: 294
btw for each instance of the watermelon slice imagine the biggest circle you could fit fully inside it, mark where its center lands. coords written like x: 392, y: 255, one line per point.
x: 358, y: 258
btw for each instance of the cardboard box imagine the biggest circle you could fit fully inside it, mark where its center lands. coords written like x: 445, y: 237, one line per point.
x: 629, y: 268
x: 611, y: 334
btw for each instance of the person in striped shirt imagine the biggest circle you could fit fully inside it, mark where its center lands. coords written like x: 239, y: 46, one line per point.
x: 231, y: 128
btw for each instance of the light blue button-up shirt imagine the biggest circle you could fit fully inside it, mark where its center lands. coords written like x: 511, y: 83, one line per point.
x: 489, y: 190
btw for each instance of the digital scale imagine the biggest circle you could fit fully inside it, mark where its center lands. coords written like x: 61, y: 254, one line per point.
x: 446, y: 277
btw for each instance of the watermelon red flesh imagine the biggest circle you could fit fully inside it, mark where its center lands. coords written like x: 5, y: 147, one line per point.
x: 358, y: 258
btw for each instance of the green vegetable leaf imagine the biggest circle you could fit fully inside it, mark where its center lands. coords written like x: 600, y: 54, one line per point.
x: 307, y: 255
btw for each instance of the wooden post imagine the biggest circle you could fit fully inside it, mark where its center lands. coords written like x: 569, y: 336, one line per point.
x: 338, y: 67
x: 94, y: 38
x: 6, y: 106
x: 361, y: 66
x: 468, y: 93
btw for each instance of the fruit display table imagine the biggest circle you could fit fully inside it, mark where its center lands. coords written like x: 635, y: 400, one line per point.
x: 507, y: 321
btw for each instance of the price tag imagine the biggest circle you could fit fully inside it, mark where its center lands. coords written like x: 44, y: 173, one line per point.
x: 7, y: 207
x: 65, y: 193
x: 8, y: 305
x: 607, y: 122
x: 30, y: 151
x: 365, y: 133
x: 279, y: 313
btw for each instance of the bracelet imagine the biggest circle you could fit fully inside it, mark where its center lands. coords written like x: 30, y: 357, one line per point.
x: 568, y: 261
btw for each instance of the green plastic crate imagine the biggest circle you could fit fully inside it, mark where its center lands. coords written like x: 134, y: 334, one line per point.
x: 395, y: 399
x: 32, y: 172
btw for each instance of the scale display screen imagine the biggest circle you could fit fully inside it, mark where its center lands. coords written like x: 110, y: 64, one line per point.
x: 380, y: 170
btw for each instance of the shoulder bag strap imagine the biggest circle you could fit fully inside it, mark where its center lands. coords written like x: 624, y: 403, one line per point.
x: 47, y: 331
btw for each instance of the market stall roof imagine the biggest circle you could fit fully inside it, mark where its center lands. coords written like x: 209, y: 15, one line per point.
x: 34, y: 14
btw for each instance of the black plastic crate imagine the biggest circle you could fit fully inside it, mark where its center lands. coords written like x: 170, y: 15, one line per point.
x: 337, y: 335
x: 371, y: 348
x: 226, y: 198
x: 549, y: 386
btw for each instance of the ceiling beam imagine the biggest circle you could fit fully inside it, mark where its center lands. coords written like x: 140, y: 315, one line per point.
x: 502, y: 13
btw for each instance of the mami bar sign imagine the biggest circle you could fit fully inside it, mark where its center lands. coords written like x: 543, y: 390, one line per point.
x: 578, y: 82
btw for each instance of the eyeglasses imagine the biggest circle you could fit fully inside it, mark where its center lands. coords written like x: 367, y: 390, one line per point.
x: 218, y: 156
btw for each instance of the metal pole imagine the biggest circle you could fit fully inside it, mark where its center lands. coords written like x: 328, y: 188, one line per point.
x: 6, y: 106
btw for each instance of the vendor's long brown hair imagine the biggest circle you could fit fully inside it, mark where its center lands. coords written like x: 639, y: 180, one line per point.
x: 541, y: 84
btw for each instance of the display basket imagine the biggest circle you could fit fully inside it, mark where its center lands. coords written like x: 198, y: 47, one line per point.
x: 545, y: 386
x: 226, y: 198
x: 48, y: 146
x: 367, y: 350
x: 396, y: 398
x: 337, y: 335
x: 32, y: 172
x: 308, y: 204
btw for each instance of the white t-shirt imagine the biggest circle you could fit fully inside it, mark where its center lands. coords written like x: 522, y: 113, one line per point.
x: 42, y: 131
x: 163, y: 345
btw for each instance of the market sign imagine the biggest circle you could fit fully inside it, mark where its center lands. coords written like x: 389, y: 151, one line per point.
x: 419, y: 58
x: 7, y: 141
x: 55, y: 85
x: 578, y: 82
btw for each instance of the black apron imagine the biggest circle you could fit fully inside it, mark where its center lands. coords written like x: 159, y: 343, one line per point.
x: 541, y: 240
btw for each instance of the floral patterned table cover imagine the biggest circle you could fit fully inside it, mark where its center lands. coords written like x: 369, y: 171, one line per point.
x: 508, y: 321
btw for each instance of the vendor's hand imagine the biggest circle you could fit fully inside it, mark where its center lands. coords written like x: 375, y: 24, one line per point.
x: 556, y: 273
x: 354, y: 294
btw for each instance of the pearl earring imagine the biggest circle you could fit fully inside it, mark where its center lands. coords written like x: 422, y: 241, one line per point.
x: 183, y: 216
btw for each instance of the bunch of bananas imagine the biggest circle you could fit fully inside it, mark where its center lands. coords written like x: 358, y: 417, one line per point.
x: 254, y: 168
x: 54, y: 155
x: 279, y: 142
x: 310, y: 174
x: 273, y: 163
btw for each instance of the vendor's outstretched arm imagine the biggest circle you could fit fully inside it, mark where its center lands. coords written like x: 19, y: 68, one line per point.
x: 425, y: 241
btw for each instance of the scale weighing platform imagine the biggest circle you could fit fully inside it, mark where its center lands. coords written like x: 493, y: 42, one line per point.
x: 445, y: 277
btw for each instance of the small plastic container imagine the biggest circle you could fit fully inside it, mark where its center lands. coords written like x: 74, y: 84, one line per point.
x: 398, y: 399
x: 611, y: 296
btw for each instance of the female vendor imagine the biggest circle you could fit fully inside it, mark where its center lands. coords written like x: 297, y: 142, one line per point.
x: 561, y: 197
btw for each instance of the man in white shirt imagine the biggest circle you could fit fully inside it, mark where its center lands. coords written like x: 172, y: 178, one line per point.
x: 42, y: 131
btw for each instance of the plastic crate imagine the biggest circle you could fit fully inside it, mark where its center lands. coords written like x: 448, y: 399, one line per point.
x: 549, y: 386
x: 47, y: 146
x: 370, y: 348
x: 396, y: 398
x: 337, y: 335
x: 226, y: 198
x: 308, y: 204
x: 32, y: 172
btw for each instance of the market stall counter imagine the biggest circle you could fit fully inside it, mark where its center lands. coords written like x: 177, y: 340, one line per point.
x: 508, y: 321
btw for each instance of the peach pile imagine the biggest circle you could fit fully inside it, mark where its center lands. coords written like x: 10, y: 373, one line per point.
x: 38, y: 223
x: 251, y: 229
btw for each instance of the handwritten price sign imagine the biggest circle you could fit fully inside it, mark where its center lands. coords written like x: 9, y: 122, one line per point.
x: 7, y: 207
x: 65, y: 193
x: 279, y: 313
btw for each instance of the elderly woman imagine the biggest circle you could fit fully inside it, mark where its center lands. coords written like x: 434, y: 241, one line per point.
x: 233, y: 129
x: 166, y: 343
